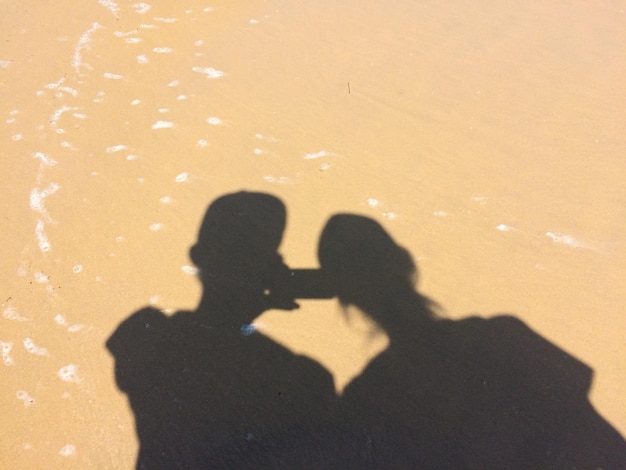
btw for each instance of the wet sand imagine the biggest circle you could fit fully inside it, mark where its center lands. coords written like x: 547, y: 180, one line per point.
x: 489, y: 141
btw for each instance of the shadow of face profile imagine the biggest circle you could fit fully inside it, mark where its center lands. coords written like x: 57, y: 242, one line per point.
x: 363, y: 261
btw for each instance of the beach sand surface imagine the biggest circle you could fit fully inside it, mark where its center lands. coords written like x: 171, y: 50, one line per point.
x: 488, y: 138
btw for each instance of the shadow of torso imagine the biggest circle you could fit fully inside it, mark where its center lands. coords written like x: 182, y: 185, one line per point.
x: 209, y: 397
x: 480, y: 394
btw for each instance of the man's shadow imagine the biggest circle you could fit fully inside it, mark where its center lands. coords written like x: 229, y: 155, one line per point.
x: 207, y: 389
x: 470, y: 394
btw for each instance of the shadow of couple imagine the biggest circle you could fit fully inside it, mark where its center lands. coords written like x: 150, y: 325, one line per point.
x: 208, y: 391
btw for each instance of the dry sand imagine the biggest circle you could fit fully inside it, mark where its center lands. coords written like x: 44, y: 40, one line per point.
x: 489, y: 138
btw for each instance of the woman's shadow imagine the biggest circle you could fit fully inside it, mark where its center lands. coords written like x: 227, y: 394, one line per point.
x: 475, y: 393
x: 207, y: 389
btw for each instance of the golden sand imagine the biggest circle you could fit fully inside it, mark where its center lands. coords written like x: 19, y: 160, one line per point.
x: 488, y: 138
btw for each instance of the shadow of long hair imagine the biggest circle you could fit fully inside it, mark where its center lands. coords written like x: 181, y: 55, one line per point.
x: 370, y: 270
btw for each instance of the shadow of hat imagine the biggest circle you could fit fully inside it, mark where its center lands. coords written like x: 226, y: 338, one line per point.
x: 240, y: 225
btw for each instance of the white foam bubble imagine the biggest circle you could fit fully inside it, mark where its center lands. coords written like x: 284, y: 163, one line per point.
x: 61, y: 321
x: 142, y: 7
x: 132, y: 40
x: 266, y: 138
x: 214, y: 121
x: 67, y: 450
x: 32, y: 348
x: 174, y: 83
x: 142, y: 59
x: 77, y: 268
x: 156, y: 226
x: 58, y: 113
x: 113, y: 76
x: 121, y: 34
x: 566, y: 240
x: 25, y: 397
x: 321, y: 153
x: 203, y: 143
x: 116, y: 148
x: 77, y: 60
x: 166, y: 199
x: 482, y: 200
x: 165, y: 20
x: 110, y: 5
x: 163, y: 50
x: 71, y: 91
x: 68, y: 145
x: 45, y: 160
x: 277, y: 179
x: 76, y: 327
x: 135, y: 102
x: 6, y: 347
x: 37, y: 197
x: 372, y: 202
x: 55, y: 85
x: 41, y: 277
x: 42, y: 239
x: 162, y: 125
x: 191, y: 270
x: 11, y: 313
x: 182, y: 177
x: 210, y: 72
x: 69, y: 373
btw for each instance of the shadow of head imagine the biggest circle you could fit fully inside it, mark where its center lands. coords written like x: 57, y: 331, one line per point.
x: 362, y: 258
x: 239, y: 237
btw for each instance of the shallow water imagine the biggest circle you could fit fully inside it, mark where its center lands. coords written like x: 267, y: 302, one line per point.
x: 488, y: 140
